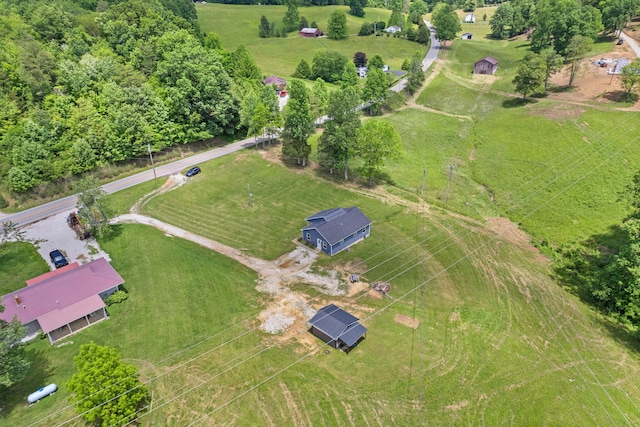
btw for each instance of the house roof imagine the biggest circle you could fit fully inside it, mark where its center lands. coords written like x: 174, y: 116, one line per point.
x: 45, y: 276
x: 338, y: 324
x: 57, y: 318
x: 309, y: 30
x: 467, y: 34
x: 337, y: 223
x: 620, y: 65
x: 61, y: 291
x: 489, y: 59
x: 274, y: 80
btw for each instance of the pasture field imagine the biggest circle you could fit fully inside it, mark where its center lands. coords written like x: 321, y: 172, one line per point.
x: 237, y: 24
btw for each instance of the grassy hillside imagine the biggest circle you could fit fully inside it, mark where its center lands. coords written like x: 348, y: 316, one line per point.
x: 236, y: 24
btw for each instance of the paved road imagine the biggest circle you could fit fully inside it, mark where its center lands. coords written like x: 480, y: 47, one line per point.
x: 434, y: 48
x: 67, y: 203
x: 632, y: 43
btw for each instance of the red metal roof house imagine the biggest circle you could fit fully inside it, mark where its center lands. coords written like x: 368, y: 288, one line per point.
x: 311, y: 32
x: 63, y: 303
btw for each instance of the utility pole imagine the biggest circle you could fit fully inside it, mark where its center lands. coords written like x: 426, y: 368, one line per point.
x: 446, y: 200
x: 153, y: 166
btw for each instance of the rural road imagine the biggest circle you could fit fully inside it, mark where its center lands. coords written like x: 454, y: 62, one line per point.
x: 67, y: 203
x: 632, y: 43
x: 38, y: 213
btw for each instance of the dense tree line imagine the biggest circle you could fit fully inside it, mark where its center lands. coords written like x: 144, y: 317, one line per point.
x: 88, y: 83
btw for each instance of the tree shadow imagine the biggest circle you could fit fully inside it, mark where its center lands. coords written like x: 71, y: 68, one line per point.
x: 560, y: 89
x: 620, y: 96
x: 37, y: 377
x: 517, y: 102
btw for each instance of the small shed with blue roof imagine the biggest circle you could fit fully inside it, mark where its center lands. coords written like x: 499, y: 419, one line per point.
x: 334, y: 230
x: 337, y: 328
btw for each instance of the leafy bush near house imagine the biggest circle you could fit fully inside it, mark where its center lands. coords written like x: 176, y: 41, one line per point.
x: 116, y: 297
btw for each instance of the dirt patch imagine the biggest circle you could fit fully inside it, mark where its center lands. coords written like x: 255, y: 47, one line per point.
x: 593, y: 83
x: 411, y: 322
x: 509, y: 231
x: 454, y: 317
x: 558, y: 111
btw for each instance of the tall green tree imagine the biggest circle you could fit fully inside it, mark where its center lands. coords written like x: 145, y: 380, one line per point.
x: 616, y: 13
x: 502, y: 21
x: 245, y: 67
x: 269, y: 98
x: 356, y: 7
x: 374, y: 93
x: 298, y: 123
x: 377, y: 141
x: 416, y: 74
x: 577, y: 50
x: 106, y: 389
x: 337, y: 25
x: 264, y: 29
x: 417, y: 9
x: 303, y: 70
x: 329, y: 65
x: 530, y: 77
x: 14, y: 363
x: 630, y: 79
x: 337, y: 145
x: 553, y: 63
x: 291, y: 18
x: 319, y: 98
x: 446, y: 21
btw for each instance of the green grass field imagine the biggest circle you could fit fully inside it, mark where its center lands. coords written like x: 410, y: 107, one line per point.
x: 498, y: 341
x: 237, y: 24
x: 19, y: 262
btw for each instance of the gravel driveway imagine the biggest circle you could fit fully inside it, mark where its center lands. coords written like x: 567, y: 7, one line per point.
x: 54, y: 233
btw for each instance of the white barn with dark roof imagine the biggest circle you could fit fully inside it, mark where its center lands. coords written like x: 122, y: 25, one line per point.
x: 337, y: 328
x: 334, y: 230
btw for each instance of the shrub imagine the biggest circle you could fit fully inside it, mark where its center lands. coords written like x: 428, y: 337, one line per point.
x: 3, y: 202
x: 116, y: 297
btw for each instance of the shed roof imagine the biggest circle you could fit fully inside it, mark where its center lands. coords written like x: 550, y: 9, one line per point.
x: 337, y: 223
x: 338, y: 324
x: 309, y: 30
x: 489, y: 59
x: 61, y: 291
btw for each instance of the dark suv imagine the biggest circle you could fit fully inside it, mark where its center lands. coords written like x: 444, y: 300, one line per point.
x: 58, y: 259
x: 193, y: 171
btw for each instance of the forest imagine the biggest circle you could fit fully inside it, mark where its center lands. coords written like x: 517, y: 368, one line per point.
x: 90, y: 83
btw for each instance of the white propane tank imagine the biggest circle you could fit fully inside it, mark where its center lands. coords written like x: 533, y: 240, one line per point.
x: 43, y: 392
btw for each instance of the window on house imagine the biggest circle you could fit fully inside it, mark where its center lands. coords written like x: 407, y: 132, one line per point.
x: 324, y: 245
x: 341, y: 241
x: 309, y: 236
x: 364, y: 230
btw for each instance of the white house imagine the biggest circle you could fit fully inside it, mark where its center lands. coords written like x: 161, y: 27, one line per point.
x: 470, y: 19
x: 393, y: 29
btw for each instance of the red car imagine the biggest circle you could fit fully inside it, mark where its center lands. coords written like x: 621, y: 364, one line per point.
x: 283, y: 93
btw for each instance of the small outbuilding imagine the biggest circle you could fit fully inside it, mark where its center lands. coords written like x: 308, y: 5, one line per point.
x: 362, y: 71
x: 335, y: 230
x: 393, y: 29
x: 467, y: 36
x: 470, y: 19
x: 278, y: 82
x: 311, y: 32
x: 337, y: 328
x: 486, y: 65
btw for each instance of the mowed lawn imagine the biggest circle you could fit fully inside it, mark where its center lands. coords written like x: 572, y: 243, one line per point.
x: 497, y: 338
x: 238, y: 24
x: 18, y: 262
x: 180, y: 295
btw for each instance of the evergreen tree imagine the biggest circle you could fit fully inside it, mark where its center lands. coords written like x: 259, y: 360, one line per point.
x: 265, y: 28
x: 291, y: 19
x: 337, y: 26
x: 356, y: 7
x: 14, y: 363
x: 303, y: 71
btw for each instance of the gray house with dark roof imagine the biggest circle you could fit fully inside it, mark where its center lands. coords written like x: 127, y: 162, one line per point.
x: 337, y: 328
x: 334, y: 230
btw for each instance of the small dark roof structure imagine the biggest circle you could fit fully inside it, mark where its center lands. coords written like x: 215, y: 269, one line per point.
x: 274, y: 80
x: 338, y: 325
x: 311, y: 32
x: 337, y: 223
